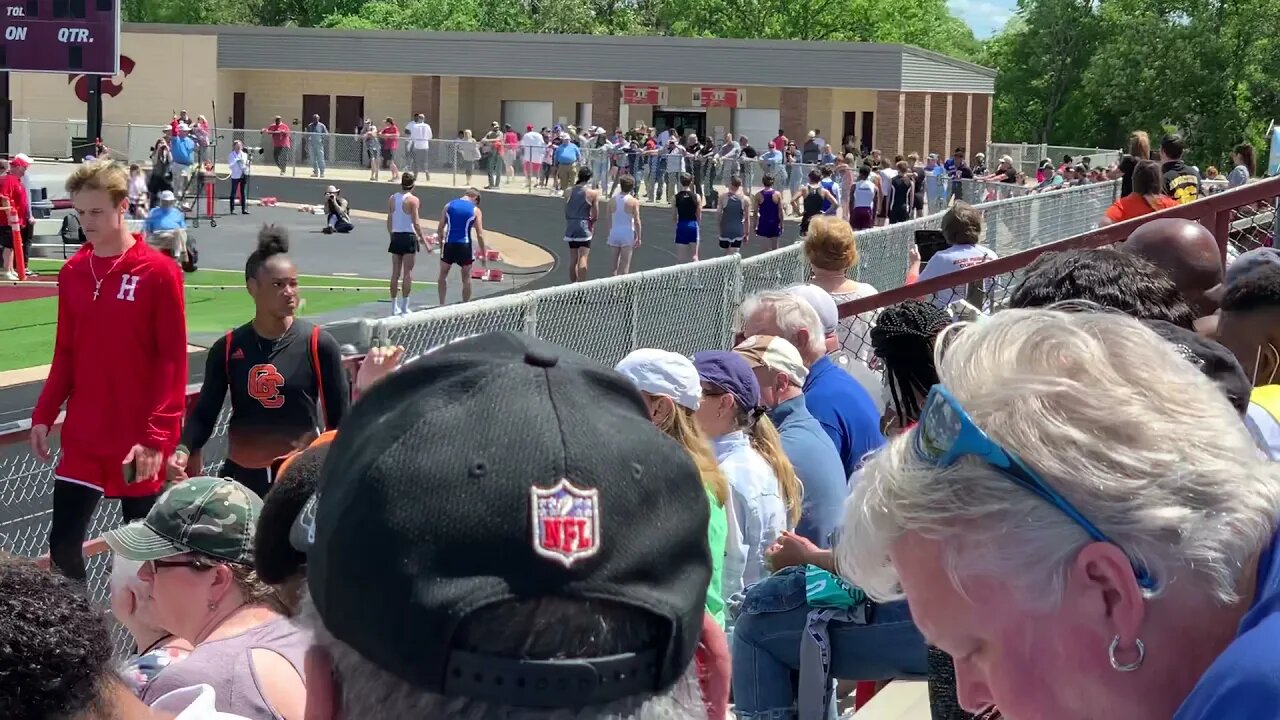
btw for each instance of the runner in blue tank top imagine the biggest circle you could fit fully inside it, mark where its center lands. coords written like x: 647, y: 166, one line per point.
x: 457, y: 221
x: 767, y: 209
x: 830, y: 185
x: 688, y: 213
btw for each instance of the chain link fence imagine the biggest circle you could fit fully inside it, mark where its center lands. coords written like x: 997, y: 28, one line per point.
x: 1253, y: 226
x: 683, y: 308
x: 1027, y: 157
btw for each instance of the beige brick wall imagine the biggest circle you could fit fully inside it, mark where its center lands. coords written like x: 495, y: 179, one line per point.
x: 269, y: 93
x: 793, y: 111
x: 913, y: 124
x: 147, y: 95
x: 450, y: 92
x: 888, y: 122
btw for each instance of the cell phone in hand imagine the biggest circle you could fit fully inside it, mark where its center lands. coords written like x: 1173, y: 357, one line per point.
x: 929, y: 242
x: 130, y: 471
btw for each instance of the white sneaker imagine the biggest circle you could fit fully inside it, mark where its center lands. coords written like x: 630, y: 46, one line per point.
x: 395, y: 307
x: 11, y: 275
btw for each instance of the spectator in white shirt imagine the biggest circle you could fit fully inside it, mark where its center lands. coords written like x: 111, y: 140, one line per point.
x: 419, y: 132
x: 962, y: 228
x: 238, y: 161
x: 532, y: 148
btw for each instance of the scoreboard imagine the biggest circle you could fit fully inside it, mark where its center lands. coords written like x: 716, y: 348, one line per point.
x: 75, y: 37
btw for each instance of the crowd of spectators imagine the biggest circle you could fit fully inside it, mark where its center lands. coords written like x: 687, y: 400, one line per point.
x: 501, y: 527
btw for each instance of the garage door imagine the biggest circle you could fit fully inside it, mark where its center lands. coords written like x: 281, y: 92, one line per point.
x: 759, y: 125
x: 518, y: 114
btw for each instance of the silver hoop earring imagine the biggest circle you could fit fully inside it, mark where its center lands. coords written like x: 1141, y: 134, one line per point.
x: 1125, y: 667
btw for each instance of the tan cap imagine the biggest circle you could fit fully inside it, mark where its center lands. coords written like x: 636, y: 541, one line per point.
x: 776, y: 354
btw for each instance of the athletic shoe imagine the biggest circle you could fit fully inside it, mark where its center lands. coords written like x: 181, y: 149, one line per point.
x: 11, y: 275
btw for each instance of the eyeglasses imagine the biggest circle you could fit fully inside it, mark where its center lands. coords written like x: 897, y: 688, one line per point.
x: 946, y: 433
x: 200, y: 565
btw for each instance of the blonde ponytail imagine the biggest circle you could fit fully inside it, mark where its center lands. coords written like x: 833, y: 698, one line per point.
x: 682, y: 426
x: 766, y: 441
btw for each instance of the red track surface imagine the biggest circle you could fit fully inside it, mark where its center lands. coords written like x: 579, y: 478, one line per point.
x: 27, y: 291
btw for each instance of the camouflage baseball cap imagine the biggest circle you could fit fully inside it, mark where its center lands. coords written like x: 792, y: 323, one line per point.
x: 210, y: 516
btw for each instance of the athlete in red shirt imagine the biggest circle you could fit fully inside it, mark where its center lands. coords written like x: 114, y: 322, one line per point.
x: 119, y: 364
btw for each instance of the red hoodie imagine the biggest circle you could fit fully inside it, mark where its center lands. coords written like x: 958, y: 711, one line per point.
x: 119, y: 361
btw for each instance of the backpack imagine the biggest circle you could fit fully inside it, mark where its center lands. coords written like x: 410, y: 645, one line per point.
x: 71, y: 232
x: 314, y: 353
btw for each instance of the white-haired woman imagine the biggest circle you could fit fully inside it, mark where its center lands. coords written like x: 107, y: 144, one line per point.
x: 1082, y: 521
x: 154, y: 647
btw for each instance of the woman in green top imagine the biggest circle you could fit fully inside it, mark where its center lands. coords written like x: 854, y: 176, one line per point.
x: 672, y: 392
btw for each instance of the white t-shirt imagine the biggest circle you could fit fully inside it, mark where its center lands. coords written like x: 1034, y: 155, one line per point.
x: 1265, y: 430
x: 420, y: 133
x: 193, y: 703
x: 533, y: 145
x: 864, y: 194
x: 951, y: 259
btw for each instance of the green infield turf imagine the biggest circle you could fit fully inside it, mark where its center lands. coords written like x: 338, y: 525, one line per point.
x: 27, y: 326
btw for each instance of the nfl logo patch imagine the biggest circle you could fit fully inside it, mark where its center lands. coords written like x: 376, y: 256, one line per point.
x: 566, y: 522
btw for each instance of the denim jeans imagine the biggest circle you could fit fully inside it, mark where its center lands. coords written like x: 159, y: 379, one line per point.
x: 317, y: 159
x: 768, y: 633
x: 655, y: 179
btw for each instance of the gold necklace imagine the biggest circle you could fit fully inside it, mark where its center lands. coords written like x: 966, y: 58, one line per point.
x: 97, y: 284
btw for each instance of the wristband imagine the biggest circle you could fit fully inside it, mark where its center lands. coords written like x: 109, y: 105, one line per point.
x: 183, y: 449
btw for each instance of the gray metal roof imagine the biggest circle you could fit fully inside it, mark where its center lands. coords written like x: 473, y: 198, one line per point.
x: 769, y: 63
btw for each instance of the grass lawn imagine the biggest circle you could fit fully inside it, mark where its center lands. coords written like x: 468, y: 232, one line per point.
x: 27, y: 326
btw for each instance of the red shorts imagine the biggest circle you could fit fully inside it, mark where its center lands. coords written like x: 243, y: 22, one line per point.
x: 105, y: 474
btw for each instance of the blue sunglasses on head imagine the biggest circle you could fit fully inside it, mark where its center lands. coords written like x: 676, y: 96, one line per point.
x: 946, y: 433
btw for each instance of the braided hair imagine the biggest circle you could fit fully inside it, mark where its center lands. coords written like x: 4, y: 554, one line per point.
x: 903, y: 340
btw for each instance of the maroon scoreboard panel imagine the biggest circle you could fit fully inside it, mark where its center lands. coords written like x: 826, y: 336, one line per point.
x: 76, y: 37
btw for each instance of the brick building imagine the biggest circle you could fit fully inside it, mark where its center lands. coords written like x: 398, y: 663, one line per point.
x: 893, y: 97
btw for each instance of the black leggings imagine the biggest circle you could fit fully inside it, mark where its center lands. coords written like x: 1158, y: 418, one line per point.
x: 238, y: 186
x: 256, y: 479
x: 73, y: 506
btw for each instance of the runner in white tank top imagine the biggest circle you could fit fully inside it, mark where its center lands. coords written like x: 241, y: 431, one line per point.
x: 624, y: 225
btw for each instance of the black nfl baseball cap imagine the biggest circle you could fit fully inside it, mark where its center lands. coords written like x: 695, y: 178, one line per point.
x: 501, y: 468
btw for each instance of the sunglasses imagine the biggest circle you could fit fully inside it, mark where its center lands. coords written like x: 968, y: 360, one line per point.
x: 201, y: 565
x: 946, y: 433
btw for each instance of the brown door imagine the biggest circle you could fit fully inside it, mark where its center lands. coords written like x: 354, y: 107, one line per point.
x: 850, y: 128
x: 868, y: 130
x: 237, y: 116
x: 314, y: 105
x: 349, y: 114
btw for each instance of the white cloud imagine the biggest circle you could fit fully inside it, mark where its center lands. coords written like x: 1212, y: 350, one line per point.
x: 986, y: 17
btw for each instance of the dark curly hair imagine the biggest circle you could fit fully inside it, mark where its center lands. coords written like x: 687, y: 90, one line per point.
x: 276, y: 560
x: 1258, y: 290
x: 55, y: 652
x: 1106, y: 277
x: 272, y: 240
x: 903, y: 340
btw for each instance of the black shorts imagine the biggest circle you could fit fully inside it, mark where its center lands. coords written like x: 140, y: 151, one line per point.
x: 6, y: 237
x: 457, y: 253
x: 403, y: 243
x: 726, y: 243
x: 579, y: 244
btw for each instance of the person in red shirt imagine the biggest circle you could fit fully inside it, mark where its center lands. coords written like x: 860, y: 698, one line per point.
x: 281, y: 142
x: 13, y: 195
x: 119, y: 364
x: 780, y: 142
x: 510, y: 141
x: 390, y: 142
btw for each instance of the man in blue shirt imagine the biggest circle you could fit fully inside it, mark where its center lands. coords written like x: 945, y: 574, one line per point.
x: 165, y: 228
x: 781, y: 372
x: 183, y: 150
x: 840, y: 404
x: 566, y: 157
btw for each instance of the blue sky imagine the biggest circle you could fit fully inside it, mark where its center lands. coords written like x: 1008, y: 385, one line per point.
x: 984, y: 16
